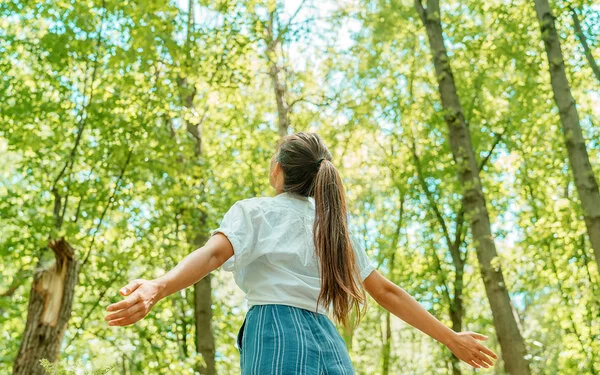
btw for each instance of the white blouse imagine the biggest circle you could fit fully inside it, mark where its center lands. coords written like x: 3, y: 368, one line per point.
x: 274, y: 259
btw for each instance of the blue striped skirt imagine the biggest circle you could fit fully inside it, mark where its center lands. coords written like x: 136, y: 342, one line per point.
x: 287, y: 340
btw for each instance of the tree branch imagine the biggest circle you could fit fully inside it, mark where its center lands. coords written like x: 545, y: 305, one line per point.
x: 497, y: 140
x: 584, y: 44
x: 80, y: 128
x: 16, y: 283
x: 108, y: 203
x: 287, y: 27
x: 428, y: 194
x: 421, y: 10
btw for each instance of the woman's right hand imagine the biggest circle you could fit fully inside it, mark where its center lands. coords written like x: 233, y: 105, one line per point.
x: 466, y: 347
x: 140, y: 295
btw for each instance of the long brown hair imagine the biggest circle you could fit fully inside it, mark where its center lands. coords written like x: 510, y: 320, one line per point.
x: 308, y: 170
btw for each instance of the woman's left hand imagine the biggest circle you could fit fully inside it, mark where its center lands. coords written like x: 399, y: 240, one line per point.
x: 466, y: 348
x: 141, y: 296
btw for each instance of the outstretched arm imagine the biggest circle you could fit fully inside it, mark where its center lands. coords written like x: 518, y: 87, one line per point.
x: 396, y: 300
x: 141, y: 294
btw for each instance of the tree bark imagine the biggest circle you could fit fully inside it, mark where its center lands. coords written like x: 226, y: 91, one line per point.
x: 507, y: 329
x: 283, y: 108
x: 49, y: 310
x: 387, y: 337
x: 587, y: 185
x: 205, y: 338
x: 583, y: 40
x: 457, y: 310
x: 387, y: 345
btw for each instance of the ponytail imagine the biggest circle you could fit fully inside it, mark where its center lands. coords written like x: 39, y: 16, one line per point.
x: 308, y: 171
x: 340, y: 284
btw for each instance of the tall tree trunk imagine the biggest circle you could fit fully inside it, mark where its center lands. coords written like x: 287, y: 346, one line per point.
x: 283, y: 109
x: 49, y: 310
x: 387, y: 336
x: 507, y: 329
x: 584, y: 44
x: 457, y: 310
x: 282, y: 106
x: 386, y: 350
x: 205, y: 339
x: 586, y: 183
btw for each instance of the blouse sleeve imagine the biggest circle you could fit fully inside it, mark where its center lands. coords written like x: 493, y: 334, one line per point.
x: 365, y: 265
x: 237, y: 225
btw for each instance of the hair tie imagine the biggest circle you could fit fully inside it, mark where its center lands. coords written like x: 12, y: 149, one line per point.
x: 319, y: 161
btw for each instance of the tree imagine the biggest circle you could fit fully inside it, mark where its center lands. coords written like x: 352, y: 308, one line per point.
x: 585, y: 179
x: 49, y: 310
x: 509, y: 336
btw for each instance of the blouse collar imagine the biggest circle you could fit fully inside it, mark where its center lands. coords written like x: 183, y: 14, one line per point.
x: 286, y: 194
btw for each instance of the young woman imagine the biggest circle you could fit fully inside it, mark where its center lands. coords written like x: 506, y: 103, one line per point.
x: 296, y: 260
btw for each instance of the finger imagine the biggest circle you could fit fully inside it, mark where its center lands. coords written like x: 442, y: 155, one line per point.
x: 479, y: 363
x: 126, y: 303
x: 126, y: 320
x: 487, y: 351
x: 129, y: 288
x: 484, y: 360
x: 488, y: 362
x: 473, y: 364
x: 478, y: 336
x: 125, y: 312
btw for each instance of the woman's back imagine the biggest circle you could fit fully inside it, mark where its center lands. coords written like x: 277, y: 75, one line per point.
x: 275, y: 260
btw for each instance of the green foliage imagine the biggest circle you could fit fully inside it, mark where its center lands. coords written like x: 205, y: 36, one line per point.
x: 100, y: 102
x: 60, y: 368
